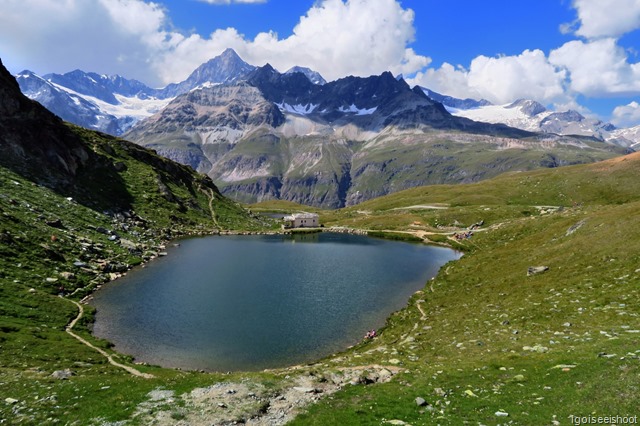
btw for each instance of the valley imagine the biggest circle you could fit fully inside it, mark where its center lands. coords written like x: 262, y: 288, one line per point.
x: 534, y: 324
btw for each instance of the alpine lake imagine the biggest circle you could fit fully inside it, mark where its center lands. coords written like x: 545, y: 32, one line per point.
x: 228, y: 303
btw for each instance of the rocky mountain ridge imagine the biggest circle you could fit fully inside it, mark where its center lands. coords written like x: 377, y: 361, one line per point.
x: 262, y: 134
x: 279, y: 136
x: 532, y: 116
x: 113, y: 104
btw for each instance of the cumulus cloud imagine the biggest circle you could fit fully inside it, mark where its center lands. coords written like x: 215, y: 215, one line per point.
x: 500, y: 79
x: 605, y: 18
x: 594, y: 66
x: 134, y: 38
x: 335, y: 38
x: 95, y: 35
x: 598, y: 68
x: 626, y: 115
x: 232, y: 1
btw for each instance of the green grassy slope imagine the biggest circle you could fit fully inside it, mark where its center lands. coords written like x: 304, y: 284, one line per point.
x: 493, y: 339
x: 481, y: 337
x: 110, y: 219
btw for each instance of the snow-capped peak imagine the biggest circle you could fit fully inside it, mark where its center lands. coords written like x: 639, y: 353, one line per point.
x: 312, y: 75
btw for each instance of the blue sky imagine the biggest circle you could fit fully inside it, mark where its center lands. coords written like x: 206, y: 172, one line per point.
x: 452, y: 31
x: 580, y: 54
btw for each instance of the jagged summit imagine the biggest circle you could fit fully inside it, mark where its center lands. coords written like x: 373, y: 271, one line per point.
x: 455, y: 103
x: 312, y: 75
x: 528, y: 107
x: 224, y: 68
x: 230, y: 54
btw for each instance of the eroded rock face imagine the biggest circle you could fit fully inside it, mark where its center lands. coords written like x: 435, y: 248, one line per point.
x: 280, y: 136
x: 34, y: 141
x: 252, y: 403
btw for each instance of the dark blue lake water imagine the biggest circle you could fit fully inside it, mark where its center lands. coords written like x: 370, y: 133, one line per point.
x: 252, y: 302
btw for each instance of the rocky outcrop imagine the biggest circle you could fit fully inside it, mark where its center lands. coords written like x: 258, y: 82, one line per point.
x: 280, y: 136
x: 35, y: 142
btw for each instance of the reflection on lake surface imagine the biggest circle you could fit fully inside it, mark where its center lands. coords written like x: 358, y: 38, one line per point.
x: 254, y: 302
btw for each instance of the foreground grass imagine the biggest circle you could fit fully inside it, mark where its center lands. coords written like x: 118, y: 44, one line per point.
x: 482, y: 338
x: 539, y: 348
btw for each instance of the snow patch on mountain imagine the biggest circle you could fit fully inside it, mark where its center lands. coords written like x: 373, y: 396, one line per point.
x: 134, y: 107
x: 532, y: 116
x: 358, y: 111
x: 313, y: 76
x: 297, y: 109
x: 505, y: 114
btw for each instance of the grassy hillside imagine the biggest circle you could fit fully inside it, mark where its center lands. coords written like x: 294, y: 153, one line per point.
x: 481, y: 338
x: 121, y: 210
x: 484, y: 337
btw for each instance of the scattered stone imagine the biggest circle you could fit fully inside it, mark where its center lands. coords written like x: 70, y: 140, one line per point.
x: 128, y: 244
x: 567, y: 324
x: 306, y: 389
x: 469, y: 392
x: 62, y: 374
x: 51, y: 280
x: 606, y: 355
x: 564, y: 367
x: 222, y: 405
x: 32, y: 290
x: 394, y: 361
x: 440, y: 392
x: 501, y: 413
x: 11, y: 401
x: 575, y: 227
x: 534, y: 270
x: 421, y: 402
x: 519, y: 378
x: 397, y: 422
x: 67, y: 275
x: 537, y: 348
x: 56, y: 223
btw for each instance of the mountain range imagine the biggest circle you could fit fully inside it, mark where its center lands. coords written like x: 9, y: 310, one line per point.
x: 532, y: 116
x: 261, y: 134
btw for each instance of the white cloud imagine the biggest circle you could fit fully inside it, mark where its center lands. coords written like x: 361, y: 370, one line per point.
x: 626, y: 115
x: 232, y: 1
x: 606, y: 18
x: 134, y: 38
x: 111, y: 36
x: 598, y: 68
x: 500, y: 79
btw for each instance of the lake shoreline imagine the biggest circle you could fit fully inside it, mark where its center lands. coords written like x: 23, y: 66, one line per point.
x: 343, y: 347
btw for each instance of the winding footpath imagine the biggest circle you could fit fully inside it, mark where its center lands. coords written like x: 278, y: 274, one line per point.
x: 209, y: 193
x: 69, y: 329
